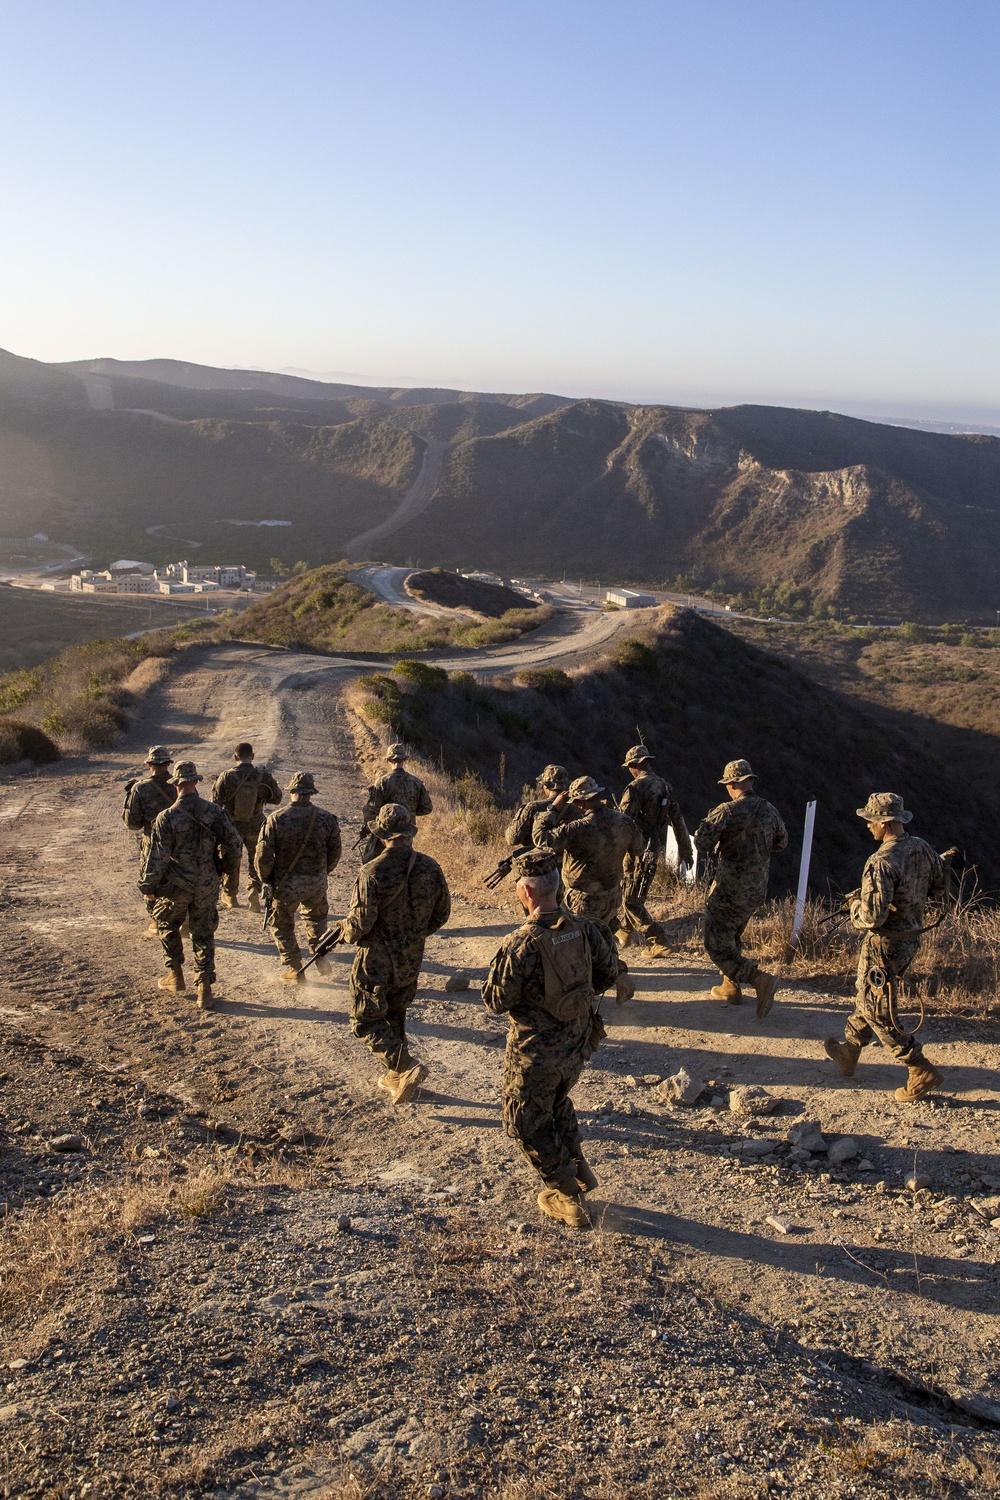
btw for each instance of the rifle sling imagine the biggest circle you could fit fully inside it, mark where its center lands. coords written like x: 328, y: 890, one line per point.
x: 305, y: 839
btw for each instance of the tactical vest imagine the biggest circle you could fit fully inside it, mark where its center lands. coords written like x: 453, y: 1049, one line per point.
x: 568, y: 968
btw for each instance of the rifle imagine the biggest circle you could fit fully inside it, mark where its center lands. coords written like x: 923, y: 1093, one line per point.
x: 267, y: 901
x: 499, y: 875
x: 640, y: 877
x: 844, y: 909
x: 331, y: 937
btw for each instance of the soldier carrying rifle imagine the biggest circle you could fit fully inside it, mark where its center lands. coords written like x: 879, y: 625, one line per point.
x: 650, y: 802
x: 297, y: 851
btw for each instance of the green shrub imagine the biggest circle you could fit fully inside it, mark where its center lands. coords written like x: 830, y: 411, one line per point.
x: 635, y: 656
x: 25, y: 742
x: 551, y: 680
x: 422, y: 674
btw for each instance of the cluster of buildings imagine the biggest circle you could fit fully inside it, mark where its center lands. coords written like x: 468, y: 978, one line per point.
x: 129, y: 577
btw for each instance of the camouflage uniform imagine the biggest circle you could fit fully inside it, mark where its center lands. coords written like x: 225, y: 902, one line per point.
x: 180, y: 873
x: 650, y: 802
x: 399, y: 899
x: 545, y: 1054
x: 898, y: 879
x: 744, y: 834
x: 296, y: 852
x: 399, y: 786
x: 594, y: 847
x: 519, y: 833
x: 224, y: 793
x: 143, y: 805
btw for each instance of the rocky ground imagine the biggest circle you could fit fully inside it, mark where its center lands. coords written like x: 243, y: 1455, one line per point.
x: 230, y: 1268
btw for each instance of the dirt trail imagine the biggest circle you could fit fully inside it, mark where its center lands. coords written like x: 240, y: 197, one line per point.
x: 417, y: 498
x: 866, y: 1268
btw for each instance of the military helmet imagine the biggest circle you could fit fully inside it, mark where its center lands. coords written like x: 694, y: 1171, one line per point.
x: 394, y: 819
x: 736, y: 770
x: 396, y: 752
x: 584, y: 786
x: 556, y: 776
x: 637, y: 755
x: 884, y: 807
x: 185, y: 770
x: 159, y: 755
x: 535, y: 862
x: 302, y: 781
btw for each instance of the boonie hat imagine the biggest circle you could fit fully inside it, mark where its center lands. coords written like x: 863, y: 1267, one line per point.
x: 185, y: 770
x: 884, y: 807
x: 159, y: 755
x: 636, y: 754
x: 302, y: 781
x: 397, y: 752
x: 534, y: 863
x: 394, y: 819
x: 584, y: 786
x: 736, y: 770
x: 556, y: 776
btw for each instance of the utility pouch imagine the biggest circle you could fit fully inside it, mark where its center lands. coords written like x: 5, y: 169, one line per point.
x: 598, y: 1031
x: 245, y: 801
x: 566, y: 963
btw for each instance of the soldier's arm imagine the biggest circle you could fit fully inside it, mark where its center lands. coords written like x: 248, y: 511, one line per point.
x: 504, y: 986
x: 363, y: 912
x: 709, y: 832
x: 780, y: 840
x: 334, y: 846
x: 265, y: 852
x: 878, y: 891
x: 518, y: 831
x: 218, y: 788
x: 135, y: 818
x: 272, y: 791
x: 230, y: 844
x: 442, y: 905
x: 938, y: 884
x: 603, y: 958
x: 424, y: 803
x: 373, y: 804
x: 158, y: 858
x: 553, y: 834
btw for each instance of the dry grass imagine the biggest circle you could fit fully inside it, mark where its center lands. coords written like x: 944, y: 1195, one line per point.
x: 42, y: 1249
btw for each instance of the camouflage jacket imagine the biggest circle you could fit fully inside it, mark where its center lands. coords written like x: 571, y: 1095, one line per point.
x: 520, y: 830
x: 226, y: 786
x: 146, y: 800
x: 398, y: 786
x: 744, y: 834
x: 298, y: 827
x: 515, y: 985
x: 399, y: 898
x: 650, y: 802
x: 593, y: 847
x: 193, y: 842
x: 898, y: 879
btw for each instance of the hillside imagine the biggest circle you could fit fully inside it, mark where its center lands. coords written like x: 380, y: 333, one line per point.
x: 854, y: 517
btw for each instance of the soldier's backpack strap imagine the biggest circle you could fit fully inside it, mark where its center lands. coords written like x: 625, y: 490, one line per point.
x: 305, y: 839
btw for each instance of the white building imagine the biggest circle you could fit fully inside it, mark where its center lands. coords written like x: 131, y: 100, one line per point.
x: 88, y: 582
x: 137, y: 583
x: 629, y: 599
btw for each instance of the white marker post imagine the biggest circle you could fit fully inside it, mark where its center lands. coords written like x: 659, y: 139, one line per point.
x: 800, y: 899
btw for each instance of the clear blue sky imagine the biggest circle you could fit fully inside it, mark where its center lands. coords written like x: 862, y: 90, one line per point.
x: 677, y: 200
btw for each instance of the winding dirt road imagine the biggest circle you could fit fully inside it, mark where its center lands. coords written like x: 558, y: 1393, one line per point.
x: 417, y: 498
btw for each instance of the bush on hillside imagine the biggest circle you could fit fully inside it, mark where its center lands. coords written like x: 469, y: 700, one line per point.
x: 551, y: 680
x: 422, y: 673
x: 25, y: 742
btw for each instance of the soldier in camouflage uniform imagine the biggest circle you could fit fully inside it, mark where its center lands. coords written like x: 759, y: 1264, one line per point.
x: 144, y: 801
x: 546, y: 976
x: 244, y: 791
x: 889, y: 909
x: 297, y: 850
x: 594, y: 845
x: 399, y: 899
x: 192, y: 843
x: 650, y: 802
x: 520, y: 830
x: 398, y: 786
x: 743, y: 832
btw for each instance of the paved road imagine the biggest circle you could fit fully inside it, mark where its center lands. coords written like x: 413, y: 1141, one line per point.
x: 417, y: 498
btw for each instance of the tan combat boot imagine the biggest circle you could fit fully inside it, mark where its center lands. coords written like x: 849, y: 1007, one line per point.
x: 292, y: 974
x: 253, y: 902
x: 844, y: 1054
x: 231, y: 901
x: 657, y: 948
x: 585, y: 1177
x: 623, y: 936
x: 557, y: 1205
x: 152, y: 930
x: 765, y: 985
x: 922, y: 1079
x: 204, y: 998
x: 728, y: 990
x: 407, y: 1084
x: 389, y: 1081
x: 173, y: 979
x: 624, y: 989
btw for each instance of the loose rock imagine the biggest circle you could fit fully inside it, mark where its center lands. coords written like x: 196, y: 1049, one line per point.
x: 682, y: 1088
x: 807, y: 1134
x: 460, y: 980
x: 916, y: 1181
x: 842, y: 1150
x: 67, y: 1143
x: 751, y: 1099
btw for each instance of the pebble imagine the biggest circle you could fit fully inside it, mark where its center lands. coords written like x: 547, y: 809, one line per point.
x: 18, y: 1364
x: 344, y: 1224
x: 67, y: 1143
x: 916, y: 1181
x: 783, y: 1226
x: 682, y: 1088
x: 751, y: 1099
x: 842, y: 1150
x: 652, y: 1079
x: 460, y: 980
x: 435, y: 1491
x: 866, y: 1166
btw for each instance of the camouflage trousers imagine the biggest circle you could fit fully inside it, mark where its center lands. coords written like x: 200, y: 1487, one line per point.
x: 601, y: 908
x: 249, y: 833
x: 634, y: 916
x: 201, y: 911
x: 874, y: 1013
x: 726, y: 921
x: 315, y: 908
x: 538, y: 1111
x: 381, y: 992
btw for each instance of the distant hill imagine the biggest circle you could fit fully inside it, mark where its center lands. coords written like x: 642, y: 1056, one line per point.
x: 864, y: 518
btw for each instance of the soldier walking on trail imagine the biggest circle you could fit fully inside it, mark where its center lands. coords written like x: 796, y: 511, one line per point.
x: 520, y: 829
x: 144, y: 801
x: 400, y: 786
x: 192, y: 843
x: 594, y: 845
x: 889, y: 909
x: 244, y: 791
x: 650, y: 802
x: 298, y: 849
x: 399, y: 899
x: 546, y: 976
x: 743, y: 832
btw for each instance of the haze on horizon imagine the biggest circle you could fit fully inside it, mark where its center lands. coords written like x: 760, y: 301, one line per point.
x: 657, y: 200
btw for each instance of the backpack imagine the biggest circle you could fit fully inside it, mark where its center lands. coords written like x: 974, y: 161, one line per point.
x: 568, y: 969
x: 245, y: 801
x: 127, y: 798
